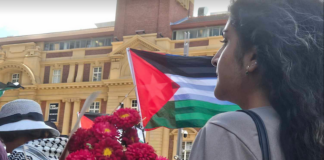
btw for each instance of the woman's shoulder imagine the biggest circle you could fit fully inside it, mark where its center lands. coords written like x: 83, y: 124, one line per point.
x: 234, y: 122
x: 240, y: 123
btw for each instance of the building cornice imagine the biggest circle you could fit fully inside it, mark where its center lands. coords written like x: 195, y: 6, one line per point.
x: 77, y: 85
x: 74, y: 60
x: 75, y: 34
x: 118, y: 82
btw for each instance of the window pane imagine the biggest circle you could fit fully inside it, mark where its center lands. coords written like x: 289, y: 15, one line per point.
x: 134, y: 103
x: 180, y: 35
x: 202, y: 33
x: 46, y: 46
x: 77, y: 44
x: 72, y: 44
x: 215, y: 32
x: 97, y: 105
x: 56, y: 76
x: 83, y: 43
x: 95, y: 69
x: 51, y: 47
x: 187, y: 155
x: 99, y: 42
x: 99, y: 76
x: 189, y: 146
x: 174, y: 35
x: 193, y: 33
x: 108, y: 42
x: 88, y: 43
x: 61, y: 45
x: 99, y: 69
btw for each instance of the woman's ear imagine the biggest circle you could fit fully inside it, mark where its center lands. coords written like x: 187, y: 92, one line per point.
x: 250, y: 59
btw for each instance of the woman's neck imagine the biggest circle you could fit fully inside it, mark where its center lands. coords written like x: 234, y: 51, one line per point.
x: 254, y: 100
x: 10, y: 146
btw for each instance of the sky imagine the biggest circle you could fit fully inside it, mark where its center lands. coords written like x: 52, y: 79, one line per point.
x: 25, y: 17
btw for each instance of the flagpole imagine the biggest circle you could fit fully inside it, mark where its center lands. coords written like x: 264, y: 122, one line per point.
x: 130, y: 61
x: 185, y: 53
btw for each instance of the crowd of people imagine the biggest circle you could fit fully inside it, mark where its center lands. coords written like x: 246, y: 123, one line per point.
x: 271, y: 64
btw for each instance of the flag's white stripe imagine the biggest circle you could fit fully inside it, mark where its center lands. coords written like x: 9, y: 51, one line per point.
x: 199, y: 87
x: 196, y: 81
x: 194, y: 96
x: 183, y: 90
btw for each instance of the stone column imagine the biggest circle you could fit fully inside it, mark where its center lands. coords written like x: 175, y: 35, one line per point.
x: 71, y: 73
x: 165, y: 142
x: 76, y: 109
x: 66, y: 118
x: 80, y: 73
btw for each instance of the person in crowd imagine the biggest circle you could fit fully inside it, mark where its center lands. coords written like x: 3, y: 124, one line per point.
x: 21, y: 121
x: 49, y: 148
x: 3, y: 153
x: 271, y: 63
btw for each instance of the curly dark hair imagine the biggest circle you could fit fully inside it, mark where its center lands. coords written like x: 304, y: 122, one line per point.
x: 288, y: 37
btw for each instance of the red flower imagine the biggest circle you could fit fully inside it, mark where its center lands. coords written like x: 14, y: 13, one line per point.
x: 108, y: 149
x: 126, y: 118
x: 80, y: 155
x: 77, y: 140
x: 161, y: 158
x: 130, y: 136
x: 91, y: 140
x: 106, y: 118
x: 104, y: 129
x: 140, y: 151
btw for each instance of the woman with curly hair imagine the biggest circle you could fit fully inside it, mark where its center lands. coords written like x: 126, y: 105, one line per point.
x: 271, y: 63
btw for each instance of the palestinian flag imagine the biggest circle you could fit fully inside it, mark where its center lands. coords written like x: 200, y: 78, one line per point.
x: 8, y: 86
x: 175, y: 91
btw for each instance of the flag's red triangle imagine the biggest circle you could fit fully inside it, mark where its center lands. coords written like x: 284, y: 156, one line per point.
x: 154, y: 88
x: 86, y: 123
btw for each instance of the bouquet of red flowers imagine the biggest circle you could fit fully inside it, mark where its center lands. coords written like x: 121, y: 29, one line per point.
x: 104, y: 142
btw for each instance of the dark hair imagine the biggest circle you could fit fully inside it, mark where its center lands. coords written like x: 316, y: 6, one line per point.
x: 31, y: 134
x: 288, y: 37
x: 51, y: 124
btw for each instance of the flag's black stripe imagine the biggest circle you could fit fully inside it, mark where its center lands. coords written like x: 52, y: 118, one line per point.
x: 179, y: 65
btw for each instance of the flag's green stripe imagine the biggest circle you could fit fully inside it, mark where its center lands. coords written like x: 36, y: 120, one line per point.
x: 189, y: 110
x: 207, y: 111
x: 190, y: 116
x: 195, y: 123
x: 187, y: 113
x: 165, y: 117
x: 206, y: 105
